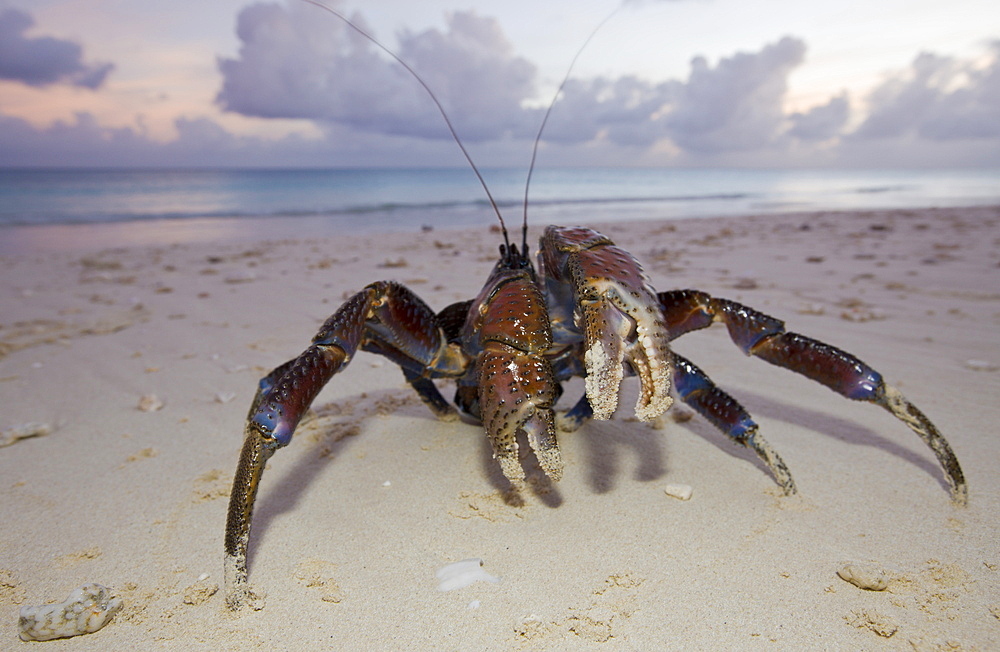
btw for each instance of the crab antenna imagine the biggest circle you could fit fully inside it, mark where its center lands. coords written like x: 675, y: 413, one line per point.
x: 447, y: 121
x: 545, y: 119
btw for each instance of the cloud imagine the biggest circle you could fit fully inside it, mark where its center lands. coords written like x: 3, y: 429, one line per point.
x: 620, y: 110
x: 296, y: 62
x: 43, y: 60
x: 737, y: 105
x: 83, y: 141
x: 938, y: 99
x: 733, y: 111
x: 80, y: 142
x: 821, y: 122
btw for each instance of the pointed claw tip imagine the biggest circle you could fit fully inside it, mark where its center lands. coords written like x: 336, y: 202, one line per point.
x: 240, y: 598
x: 551, y: 463
x: 553, y: 472
x: 449, y: 416
x: 510, y: 466
x: 653, y: 408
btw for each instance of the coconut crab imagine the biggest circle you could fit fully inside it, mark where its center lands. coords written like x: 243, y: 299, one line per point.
x: 584, y: 309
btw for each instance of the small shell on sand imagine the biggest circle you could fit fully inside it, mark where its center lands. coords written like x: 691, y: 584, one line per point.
x: 865, y: 576
x: 981, y: 365
x: 463, y: 573
x: 150, y: 403
x: 86, y: 610
x: 679, y: 491
x: 21, y: 431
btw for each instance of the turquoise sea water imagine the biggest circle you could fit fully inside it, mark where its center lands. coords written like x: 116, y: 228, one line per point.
x: 402, y: 199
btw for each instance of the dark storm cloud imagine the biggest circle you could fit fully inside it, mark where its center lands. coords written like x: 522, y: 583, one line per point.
x: 297, y: 62
x: 43, y: 60
x: 938, y: 98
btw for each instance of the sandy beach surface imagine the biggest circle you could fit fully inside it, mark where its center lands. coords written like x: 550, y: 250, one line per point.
x: 143, y: 358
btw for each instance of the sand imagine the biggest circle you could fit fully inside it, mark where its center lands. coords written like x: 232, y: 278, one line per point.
x: 142, y: 360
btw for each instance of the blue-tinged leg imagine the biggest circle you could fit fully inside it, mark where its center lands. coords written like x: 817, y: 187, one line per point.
x: 430, y: 395
x: 576, y: 416
x: 385, y: 318
x: 725, y: 413
x: 765, y: 337
x: 266, y: 384
x: 283, y: 396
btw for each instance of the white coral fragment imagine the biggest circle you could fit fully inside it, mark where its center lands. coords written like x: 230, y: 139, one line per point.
x: 150, y: 403
x: 981, y: 365
x: 463, y: 573
x: 86, y: 610
x: 679, y: 491
x: 21, y: 431
x: 868, y: 577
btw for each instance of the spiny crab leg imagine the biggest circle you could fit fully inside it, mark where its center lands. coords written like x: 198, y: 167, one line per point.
x: 282, y: 399
x: 765, y: 337
x: 723, y: 411
x: 385, y: 318
x: 619, y: 314
x: 892, y: 400
x: 696, y: 389
x: 253, y: 458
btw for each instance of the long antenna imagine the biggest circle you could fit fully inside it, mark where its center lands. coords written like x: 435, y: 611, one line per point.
x: 437, y: 103
x: 541, y: 128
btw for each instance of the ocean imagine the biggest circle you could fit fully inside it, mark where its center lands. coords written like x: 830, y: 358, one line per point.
x: 407, y: 199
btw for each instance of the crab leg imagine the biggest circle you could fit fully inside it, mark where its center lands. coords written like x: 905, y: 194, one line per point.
x: 618, y: 312
x: 698, y: 391
x: 765, y: 337
x: 385, y: 318
x: 725, y: 413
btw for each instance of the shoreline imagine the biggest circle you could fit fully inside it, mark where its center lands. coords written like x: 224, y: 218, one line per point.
x: 374, y: 495
x: 41, y: 238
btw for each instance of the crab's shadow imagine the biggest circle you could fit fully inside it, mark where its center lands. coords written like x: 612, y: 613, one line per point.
x: 811, y: 422
x: 607, y: 447
x: 331, y: 443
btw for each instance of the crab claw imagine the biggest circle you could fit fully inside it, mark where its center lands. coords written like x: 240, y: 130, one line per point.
x: 516, y: 385
x: 517, y: 395
x: 619, y: 314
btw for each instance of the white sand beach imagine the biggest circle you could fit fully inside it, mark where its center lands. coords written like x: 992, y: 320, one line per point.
x: 374, y: 495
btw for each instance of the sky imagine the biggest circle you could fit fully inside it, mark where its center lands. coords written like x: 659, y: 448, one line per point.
x: 234, y: 83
